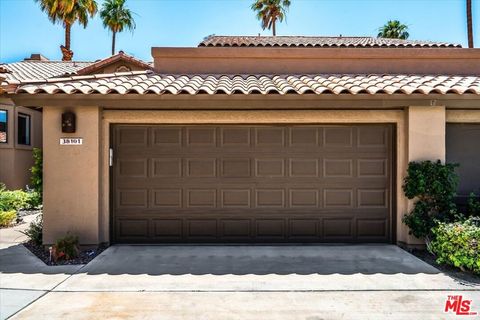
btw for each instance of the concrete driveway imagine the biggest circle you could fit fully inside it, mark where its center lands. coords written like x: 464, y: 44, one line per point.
x: 238, y: 282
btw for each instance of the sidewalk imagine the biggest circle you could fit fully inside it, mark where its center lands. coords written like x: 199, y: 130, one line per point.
x: 23, y: 277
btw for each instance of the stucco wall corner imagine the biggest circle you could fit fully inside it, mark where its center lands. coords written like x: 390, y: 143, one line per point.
x: 71, y: 176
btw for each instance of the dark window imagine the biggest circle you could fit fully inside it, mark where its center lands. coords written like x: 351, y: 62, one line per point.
x: 3, y: 126
x: 23, y: 129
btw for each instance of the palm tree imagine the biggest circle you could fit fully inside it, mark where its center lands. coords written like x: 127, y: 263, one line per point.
x: 393, y: 30
x: 470, y: 23
x: 68, y: 12
x: 116, y: 17
x: 269, y: 11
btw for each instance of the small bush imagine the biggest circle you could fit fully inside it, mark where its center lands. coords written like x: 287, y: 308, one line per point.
x: 37, y: 172
x: 458, y: 244
x: 35, y: 231
x: 13, y: 200
x: 433, y: 185
x: 66, y: 248
x: 7, y: 218
x: 34, y: 200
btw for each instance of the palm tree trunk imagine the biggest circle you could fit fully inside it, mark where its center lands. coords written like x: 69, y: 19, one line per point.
x: 68, y: 30
x: 274, y: 30
x: 469, y: 23
x: 113, y: 42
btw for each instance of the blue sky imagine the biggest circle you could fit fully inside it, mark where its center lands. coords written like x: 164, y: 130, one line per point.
x: 24, y: 29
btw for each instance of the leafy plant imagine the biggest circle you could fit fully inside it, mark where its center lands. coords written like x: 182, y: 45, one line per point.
x: 37, y: 171
x: 66, y: 248
x: 433, y: 185
x: 458, y: 244
x: 13, y: 200
x: 35, y: 231
x: 7, y: 218
x: 473, y: 205
x: 34, y: 200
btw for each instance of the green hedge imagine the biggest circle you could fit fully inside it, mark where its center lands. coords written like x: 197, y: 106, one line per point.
x: 18, y: 199
x: 458, y: 244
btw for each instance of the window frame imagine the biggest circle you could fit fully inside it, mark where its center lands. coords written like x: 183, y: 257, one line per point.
x: 6, y: 126
x: 29, y: 117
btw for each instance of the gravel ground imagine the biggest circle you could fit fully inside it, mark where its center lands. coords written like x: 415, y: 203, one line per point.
x: 23, y: 213
x: 467, y: 278
x: 85, y: 255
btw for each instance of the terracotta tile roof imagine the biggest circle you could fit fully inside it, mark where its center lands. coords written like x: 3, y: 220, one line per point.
x: 145, y: 82
x: 305, y: 41
x: 112, y: 59
x: 30, y: 70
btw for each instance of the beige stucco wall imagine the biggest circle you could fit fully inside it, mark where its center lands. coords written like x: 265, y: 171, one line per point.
x: 425, y: 141
x: 77, y: 190
x: 281, y: 60
x: 16, y: 160
x: 71, y: 176
x: 426, y: 133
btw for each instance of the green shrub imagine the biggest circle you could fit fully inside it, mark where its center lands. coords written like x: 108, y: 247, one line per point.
x: 19, y: 199
x: 458, y: 244
x: 34, y: 200
x: 35, y: 230
x: 433, y: 185
x: 7, y: 218
x: 473, y: 205
x: 66, y: 248
x: 13, y: 200
x: 37, y: 172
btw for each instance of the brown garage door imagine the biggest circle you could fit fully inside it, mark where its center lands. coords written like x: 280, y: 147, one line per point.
x: 252, y: 184
x: 463, y: 148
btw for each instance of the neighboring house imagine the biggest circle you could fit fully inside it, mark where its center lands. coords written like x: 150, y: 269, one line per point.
x: 255, y: 140
x: 21, y: 126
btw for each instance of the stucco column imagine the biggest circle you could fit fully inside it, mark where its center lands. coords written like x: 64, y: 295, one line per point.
x: 426, y: 141
x: 71, y: 176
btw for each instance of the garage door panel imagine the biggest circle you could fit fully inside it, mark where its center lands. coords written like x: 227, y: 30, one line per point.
x: 372, y: 198
x: 252, y: 183
x: 373, y: 168
x: 302, y: 229
x: 167, y: 198
x: 202, y: 229
x: 270, y: 228
x: 168, y: 228
x: 167, y: 136
x: 372, y: 229
x: 236, y: 228
x: 303, y: 137
x: 372, y: 137
x: 236, y: 198
x: 337, y: 229
x: 166, y: 168
x: 132, y: 228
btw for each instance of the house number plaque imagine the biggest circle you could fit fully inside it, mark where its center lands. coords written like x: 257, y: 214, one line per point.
x: 71, y: 141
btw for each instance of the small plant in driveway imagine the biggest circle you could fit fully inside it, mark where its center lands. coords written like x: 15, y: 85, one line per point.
x: 65, y: 248
x: 433, y: 186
